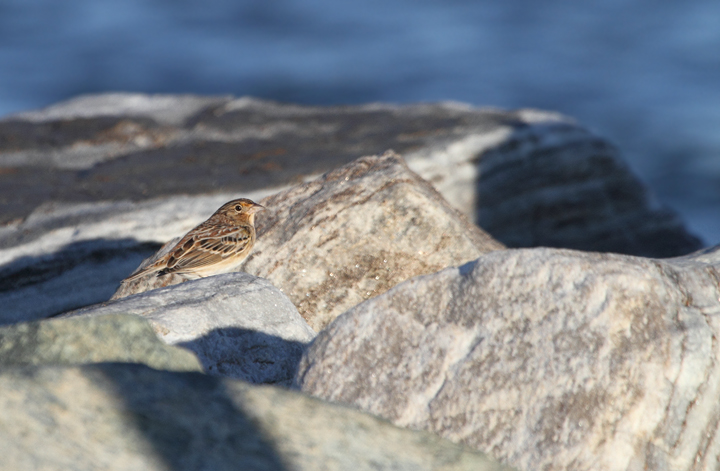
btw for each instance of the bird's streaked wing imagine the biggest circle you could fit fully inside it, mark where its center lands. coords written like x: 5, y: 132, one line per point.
x: 207, y: 248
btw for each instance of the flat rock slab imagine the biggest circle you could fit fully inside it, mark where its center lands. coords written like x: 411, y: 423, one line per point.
x: 543, y: 358
x: 136, y: 147
x: 238, y: 325
x: 80, y: 340
x: 128, y: 417
x: 528, y: 177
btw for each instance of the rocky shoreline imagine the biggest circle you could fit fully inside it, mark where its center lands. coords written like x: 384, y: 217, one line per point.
x: 497, y: 284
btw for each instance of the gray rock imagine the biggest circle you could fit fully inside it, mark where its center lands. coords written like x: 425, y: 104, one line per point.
x: 237, y: 325
x: 110, y: 338
x: 576, y: 192
x: 542, y: 358
x: 90, y: 187
x: 356, y: 232
x: 167, y: 110
x: 86, y: 272
x: 528, y: 177
x: 128, y: 417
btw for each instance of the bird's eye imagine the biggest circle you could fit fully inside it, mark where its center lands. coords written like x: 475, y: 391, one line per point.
x: 238, y: 208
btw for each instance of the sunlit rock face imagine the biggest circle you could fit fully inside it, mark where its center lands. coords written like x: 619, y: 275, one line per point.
x: 356, y: 232
x: 544, y: 358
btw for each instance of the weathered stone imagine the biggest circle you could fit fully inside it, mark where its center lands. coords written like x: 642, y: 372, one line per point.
x: 543, y: 358
x: 559, y: 185
x: 529, y: 177
x: 238, y: 325
x: 128, y: 417
x: 110, y: 338
x: 356, y: 232
x: 43, y: 284
x: 90, y: 187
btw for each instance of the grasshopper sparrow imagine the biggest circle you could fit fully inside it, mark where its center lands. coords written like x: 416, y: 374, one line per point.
x: 218, y: 245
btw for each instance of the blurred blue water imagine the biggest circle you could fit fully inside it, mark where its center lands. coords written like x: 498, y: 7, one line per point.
x: 644, y: 73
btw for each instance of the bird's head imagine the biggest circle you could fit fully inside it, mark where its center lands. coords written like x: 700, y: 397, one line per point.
x: 241, y: 210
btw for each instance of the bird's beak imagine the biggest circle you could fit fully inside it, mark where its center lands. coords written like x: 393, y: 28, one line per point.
x: 256, y: 208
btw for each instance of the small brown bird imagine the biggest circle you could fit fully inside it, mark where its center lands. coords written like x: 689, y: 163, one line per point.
x: 216, y: 246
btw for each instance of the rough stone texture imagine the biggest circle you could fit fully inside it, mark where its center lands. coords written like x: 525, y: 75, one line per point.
x: 128, y: 417
x: 90, y: 187
x: 238, y: 325
x: 111, y: 338
x: 133, y: 146
x: 543, y: 358
x: 356, y: 232
x: 351, y: 234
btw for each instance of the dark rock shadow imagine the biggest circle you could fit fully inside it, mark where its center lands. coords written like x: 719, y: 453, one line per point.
x: 571, y: 190
x: 191, y: 421
x: 79, y: 274
x: 249, y: 355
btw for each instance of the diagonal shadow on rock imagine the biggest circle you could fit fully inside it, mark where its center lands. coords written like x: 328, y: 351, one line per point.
x: 82, y: 273
x: 558, y: 185
x: 249, y: 355
x: 189, y: 420
x: 30, y: 270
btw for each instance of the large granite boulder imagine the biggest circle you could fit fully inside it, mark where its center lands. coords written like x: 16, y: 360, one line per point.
x: 238, y: 325
x: 81, y: 340
x: 543, y: 358
x: 129, y: 417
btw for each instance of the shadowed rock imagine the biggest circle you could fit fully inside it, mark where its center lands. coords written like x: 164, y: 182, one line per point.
x: 558, y: 185
x: 80, y: 340
x: 237, y: 325
x: 543, y: 358
x: 39, y: 284
x: 128, y: 417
